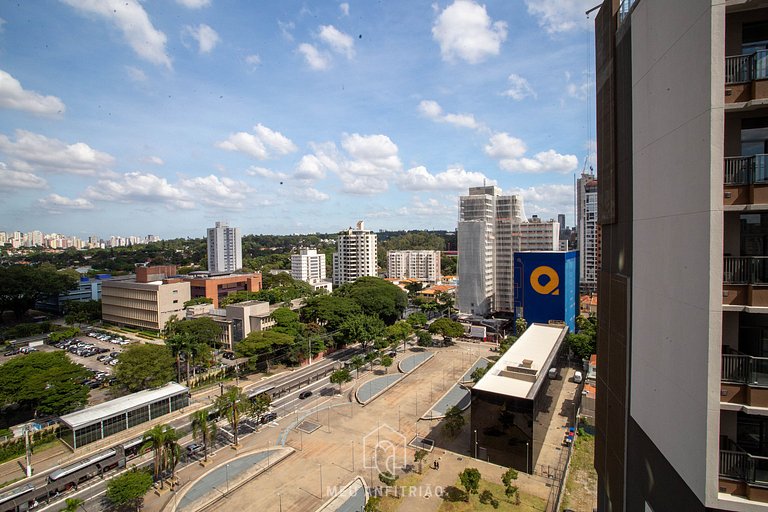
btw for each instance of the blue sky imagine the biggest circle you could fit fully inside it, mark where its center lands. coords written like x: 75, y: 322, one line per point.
x: 138, y: 117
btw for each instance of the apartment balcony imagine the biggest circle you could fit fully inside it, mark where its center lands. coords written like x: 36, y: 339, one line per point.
x: 745, y: 281
x: 743, y: 474
x: 744, y: 379
x: 745, y: 180
x: 746, y: 79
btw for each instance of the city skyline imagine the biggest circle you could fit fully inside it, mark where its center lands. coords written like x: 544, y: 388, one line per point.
x: 288, y: 118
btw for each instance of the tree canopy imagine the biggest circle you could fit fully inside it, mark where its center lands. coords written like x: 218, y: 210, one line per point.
x: 329, y: 310
x: 376, y: 297
x: 129, y: 488
x: 143, y: 367
x: 22, y: 285
x: 447, y: 327
x: 77, y: 312
x: 362, y: 329
x: 47, y: 382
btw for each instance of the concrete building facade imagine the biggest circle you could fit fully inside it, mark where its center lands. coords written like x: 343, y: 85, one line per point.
x: 421, y: 265
x: 308, y: 266
x: 355, y: 255
x: 147, y: 302
x: 682, y: 401
x: 225, y: 249
x: 589, y: 232
x: 539, y: 235
x: 217, y: 287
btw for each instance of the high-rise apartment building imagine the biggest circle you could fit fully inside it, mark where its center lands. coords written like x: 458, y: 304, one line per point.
x: 488, y: 235
x: 308, y: 266
x: 539, y: 235
x: 355, y: 255
x: 589, y: 232
x: 682, y: 111
x: 423, y: 265
x: 225, y: 249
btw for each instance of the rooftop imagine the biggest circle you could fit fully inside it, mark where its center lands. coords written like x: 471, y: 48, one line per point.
x: 526, y: 362
x: 120, y: 405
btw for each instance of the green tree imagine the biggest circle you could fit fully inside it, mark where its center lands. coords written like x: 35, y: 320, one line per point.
x: 479, y: 372
x: 506, y: 343
x: 582, y: 345
x: 454, y: 421
x: 77, y: 312
x: 386, y: 362
x: 129, y: 488
x: 414, y: 287
x: 340, y: 377
x: 487, y: 498
x: 63, y: 334
x: 233, y: 405
x: 260, y: 404
x: 357, y: 362
x: 144, y: 366
x: 329, y: 311
x: 198, y: 300
x: 418, y: 458
x: 424, y: 339
x: 359, y: 328
x: 389, y: 480
x: 399, y: 332
x: 72, y: 504
x: 376, y: 297
x: 520, y: 326
x: 373, y: 504
x: 22, y: 285
x: 287, y: 322
x: 510, y: 476
x: 43, y: 382
x: 159, y: 439
x: 446, y: 327
x: 470, y: 481
x: 260, y: 346
x: 203, y: 430
x: 417, y: 319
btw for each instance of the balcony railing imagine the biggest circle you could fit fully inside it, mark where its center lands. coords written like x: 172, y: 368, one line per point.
x: 739, y: 464
x: 744, y: 369
x: 745, y: 170
x: 745, y: 270
x: 741, y: 69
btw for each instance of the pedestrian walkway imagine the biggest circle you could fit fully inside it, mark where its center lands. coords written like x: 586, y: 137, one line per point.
x: 458, y: 396
x: 350, y: 498
x: 376, y: 386
x: 410, y: 363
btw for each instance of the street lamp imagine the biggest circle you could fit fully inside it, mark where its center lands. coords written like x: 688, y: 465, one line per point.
x: 527, y: 468
x: 321, y: 480
x: 226, y: 469
x: 476, y: 444
x: 280, y: 497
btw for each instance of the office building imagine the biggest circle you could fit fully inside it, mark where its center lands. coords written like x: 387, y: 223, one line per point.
x: 487, y: 236
x: 511, y: 406
x: 146, y: 302
x: 682, y: 111
x: 219, y: 286
x: 546, y: 289
x: 421, y: 265
x: 355, y: 255
x: 589, y: 232
x: 539, y: 235
x: 225, y: 249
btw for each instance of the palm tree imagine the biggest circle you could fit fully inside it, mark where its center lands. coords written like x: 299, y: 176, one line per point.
x: 172, y: 451
x: 180, y: 343
x: 203, y: 429
x: 155, y: 439
x: 232, y: 404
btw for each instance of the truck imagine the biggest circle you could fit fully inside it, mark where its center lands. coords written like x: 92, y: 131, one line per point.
x: 477, y: 331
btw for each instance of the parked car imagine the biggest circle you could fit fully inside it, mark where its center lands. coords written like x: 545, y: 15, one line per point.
x: 195, y: 449
x: 578, y: 377
x: 270, y: 416
x: 305, y: 394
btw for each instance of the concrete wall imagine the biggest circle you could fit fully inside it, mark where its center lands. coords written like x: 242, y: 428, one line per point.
x: 677, y: 130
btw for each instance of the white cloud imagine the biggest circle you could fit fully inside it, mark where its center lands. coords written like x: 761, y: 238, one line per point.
x: 510, y: 151
x: 219, y: 193
x: 253, y: 60
x: 136, y: 74
x: 310, y: 194
x: 503, y: 146
x: 262, y: 144
x: 432, y: 208
x: 263, y: 172
x: 286, y: 28
x: 338, y: 41
x: 132, y: 20
x: 561, y: 15
x: 154, y: 160
x: 519, y: 88
x: 57, y: 203
x: 581, y: 90
x: 206, y: 37
x: 14, y: 96
x: 10, y: 179
x: 546, y: 201
x: 140, y: 187
x: 314, y: 166
x: 455, y: 178
x: 194, y: 4
x: 546, y: 161
x: 32, y: 151
x: 371, y: 155
x: 465, y: 31
x: 344, y: 8
x: 432, y: 110
x: 316, y: 59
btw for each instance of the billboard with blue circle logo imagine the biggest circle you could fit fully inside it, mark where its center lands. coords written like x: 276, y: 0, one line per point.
x: 546, y: 287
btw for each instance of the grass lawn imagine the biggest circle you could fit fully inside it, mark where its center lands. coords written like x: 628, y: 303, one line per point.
x: 391, y: 503
x: 528, y: 503
x: 581, y: 487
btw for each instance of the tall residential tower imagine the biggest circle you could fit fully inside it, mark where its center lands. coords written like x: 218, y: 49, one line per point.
x: 225, y: 249
x: 355, y: 255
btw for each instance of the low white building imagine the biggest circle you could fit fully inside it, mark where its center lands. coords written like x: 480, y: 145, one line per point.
x: 422, y: 265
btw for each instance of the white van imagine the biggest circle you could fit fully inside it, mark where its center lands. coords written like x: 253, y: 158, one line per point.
x: 552, y: 373
x: 578, y: 377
